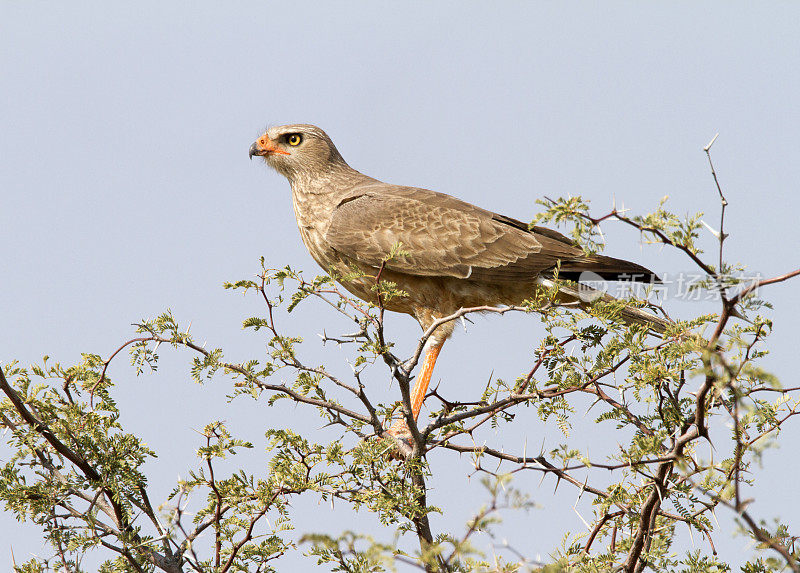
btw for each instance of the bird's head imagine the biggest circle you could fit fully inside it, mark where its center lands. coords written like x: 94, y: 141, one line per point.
x: 296, y: 151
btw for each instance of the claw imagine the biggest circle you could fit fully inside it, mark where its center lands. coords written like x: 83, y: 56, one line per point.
x: 402, y: 442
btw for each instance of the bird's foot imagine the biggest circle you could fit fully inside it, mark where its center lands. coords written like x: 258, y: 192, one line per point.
x: 401, y: 438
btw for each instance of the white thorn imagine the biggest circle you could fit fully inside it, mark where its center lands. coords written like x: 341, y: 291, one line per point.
x: 710, y: 143
x: 710, y: 229
x: 578, y: 513
x: 602, y: 236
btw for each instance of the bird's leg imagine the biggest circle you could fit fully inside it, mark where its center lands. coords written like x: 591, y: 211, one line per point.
x: 400, y: 428
x: 423, y: 381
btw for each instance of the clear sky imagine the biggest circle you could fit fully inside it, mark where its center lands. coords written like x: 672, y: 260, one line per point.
x: 126, y: 187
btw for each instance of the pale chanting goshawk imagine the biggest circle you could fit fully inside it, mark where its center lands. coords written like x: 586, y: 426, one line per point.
x: 454, y: 255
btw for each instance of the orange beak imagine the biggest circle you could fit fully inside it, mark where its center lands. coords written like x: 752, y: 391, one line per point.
x: 264, y: 146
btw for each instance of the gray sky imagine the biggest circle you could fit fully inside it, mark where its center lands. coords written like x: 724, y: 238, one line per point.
x: 126, y: 188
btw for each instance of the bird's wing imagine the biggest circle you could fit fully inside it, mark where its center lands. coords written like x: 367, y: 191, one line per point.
x: 439, y: 235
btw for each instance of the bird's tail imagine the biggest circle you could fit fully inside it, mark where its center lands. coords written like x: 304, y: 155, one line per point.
x: 584, y: 296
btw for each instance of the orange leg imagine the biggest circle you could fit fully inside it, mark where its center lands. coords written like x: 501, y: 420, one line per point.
x: 400, y: 428
x: 423, y: 381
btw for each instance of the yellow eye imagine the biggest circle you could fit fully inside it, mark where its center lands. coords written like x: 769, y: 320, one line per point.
x: 294, y: 139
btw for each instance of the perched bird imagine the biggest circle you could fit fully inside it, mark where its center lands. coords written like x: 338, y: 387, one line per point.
x: 452, y: 254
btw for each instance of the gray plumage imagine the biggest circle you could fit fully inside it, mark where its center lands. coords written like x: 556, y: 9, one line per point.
x: 453, y: 254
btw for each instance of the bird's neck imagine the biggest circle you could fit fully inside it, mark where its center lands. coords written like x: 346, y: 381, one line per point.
x: 316, y: 195
x: 335, y: 179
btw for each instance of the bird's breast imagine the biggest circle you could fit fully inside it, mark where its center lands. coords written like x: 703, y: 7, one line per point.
x: 313, y: 214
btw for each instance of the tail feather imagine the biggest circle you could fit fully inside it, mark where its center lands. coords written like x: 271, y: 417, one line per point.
x: 584, y: 296
x: 607, y: 268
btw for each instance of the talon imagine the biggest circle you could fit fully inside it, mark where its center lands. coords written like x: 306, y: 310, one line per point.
x: 402, y: 441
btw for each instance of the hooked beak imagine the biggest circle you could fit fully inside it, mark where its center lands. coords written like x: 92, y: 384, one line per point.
x: 264, y: 147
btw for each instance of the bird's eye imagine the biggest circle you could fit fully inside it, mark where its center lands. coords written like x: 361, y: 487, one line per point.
x: 294, y: 139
